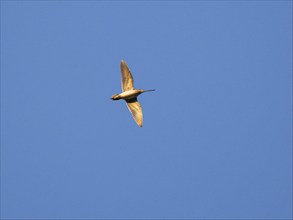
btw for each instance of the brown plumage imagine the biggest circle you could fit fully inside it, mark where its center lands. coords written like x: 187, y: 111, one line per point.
x: 129, y: 94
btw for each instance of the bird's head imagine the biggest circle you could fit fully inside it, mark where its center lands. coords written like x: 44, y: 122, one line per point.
x: 140, y: 91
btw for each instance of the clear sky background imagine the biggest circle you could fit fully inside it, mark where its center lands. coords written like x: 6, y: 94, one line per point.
x: 217, y: 134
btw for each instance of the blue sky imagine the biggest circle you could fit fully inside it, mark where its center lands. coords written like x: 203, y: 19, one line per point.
x: 217, y: 135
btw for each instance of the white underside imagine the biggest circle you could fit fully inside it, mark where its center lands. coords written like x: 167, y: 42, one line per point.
x: 128, y: 94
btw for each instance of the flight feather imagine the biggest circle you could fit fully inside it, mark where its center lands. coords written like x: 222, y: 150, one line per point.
x: 135, y: 109
x: 127, y: 79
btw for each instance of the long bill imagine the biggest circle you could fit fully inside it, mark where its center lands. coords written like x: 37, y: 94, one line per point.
x: 150, y: 90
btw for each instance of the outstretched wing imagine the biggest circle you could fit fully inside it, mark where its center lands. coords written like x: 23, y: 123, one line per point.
x: 127, y: 80
x: 135, y: 109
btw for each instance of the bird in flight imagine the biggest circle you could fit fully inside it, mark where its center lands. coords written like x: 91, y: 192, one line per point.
x: 129, y: 94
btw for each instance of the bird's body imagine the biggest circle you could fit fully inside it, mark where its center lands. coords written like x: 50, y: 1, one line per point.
x: 129, y: 94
